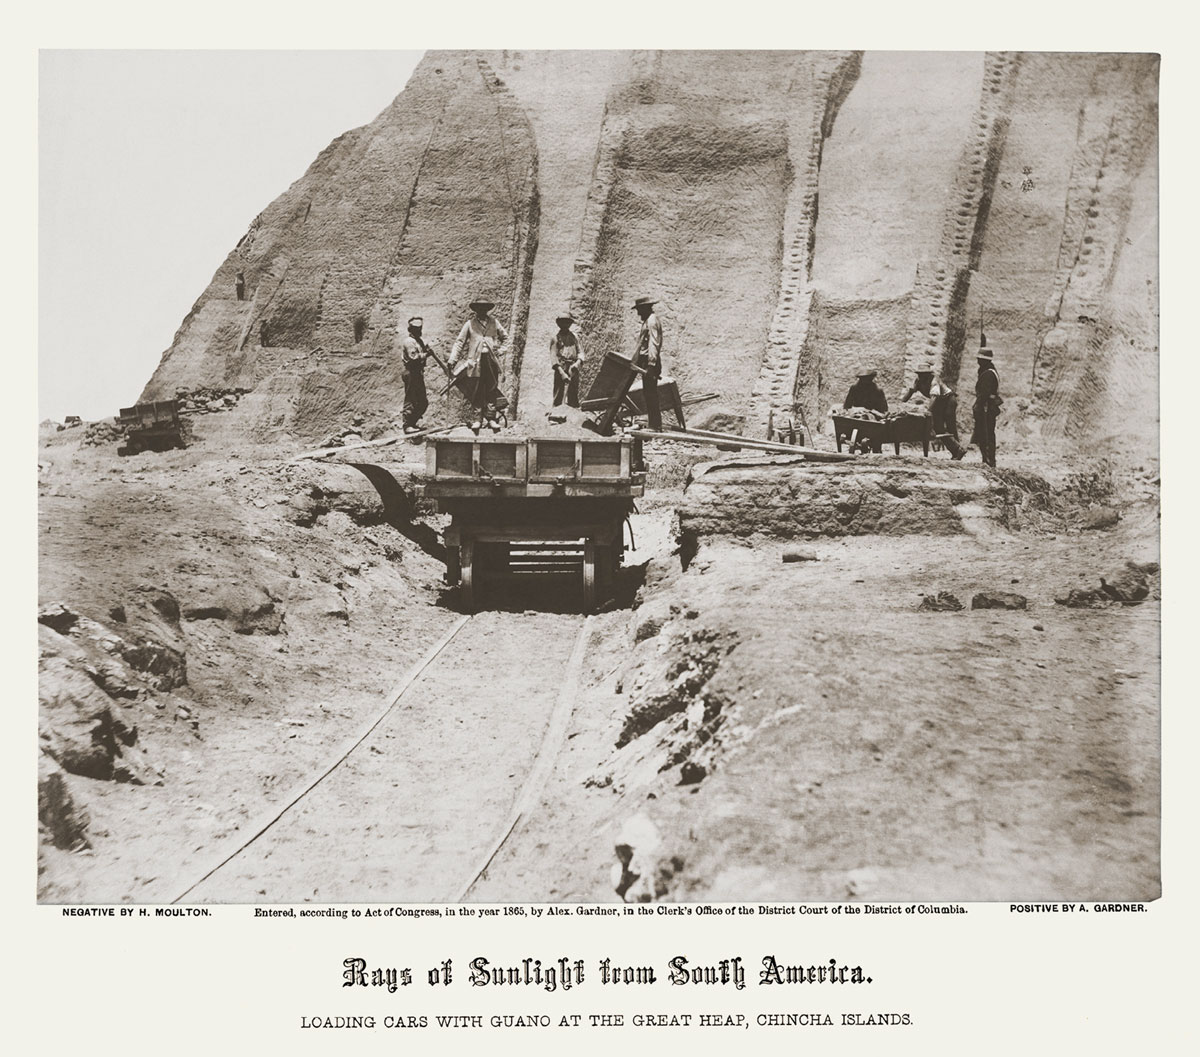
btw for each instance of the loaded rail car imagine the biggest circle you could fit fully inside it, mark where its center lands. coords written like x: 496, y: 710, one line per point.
x: 154, y: 426
x: 541, y: 506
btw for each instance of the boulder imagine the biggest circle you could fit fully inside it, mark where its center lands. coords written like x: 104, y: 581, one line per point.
x: 247, y: 608
x: 999, y: 600
x: 84, y: 730
x: 1127, y: 586
x: 1100, y: 517
x: 794, y: 554
x: 57, y: 616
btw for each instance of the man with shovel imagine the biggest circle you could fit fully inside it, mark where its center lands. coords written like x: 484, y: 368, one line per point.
x: 480, y: 345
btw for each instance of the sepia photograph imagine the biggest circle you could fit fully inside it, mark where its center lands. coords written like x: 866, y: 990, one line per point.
x: 598, y: 477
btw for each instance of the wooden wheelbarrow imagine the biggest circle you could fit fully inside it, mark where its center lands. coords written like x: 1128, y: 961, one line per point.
x: 617, y: 391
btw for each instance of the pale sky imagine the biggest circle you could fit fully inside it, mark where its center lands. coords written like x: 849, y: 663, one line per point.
x: 151, y: 166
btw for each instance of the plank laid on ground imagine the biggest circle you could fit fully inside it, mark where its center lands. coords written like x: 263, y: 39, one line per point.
x: 307, y: 785
x: 747, y: 443
x: 381, y: 442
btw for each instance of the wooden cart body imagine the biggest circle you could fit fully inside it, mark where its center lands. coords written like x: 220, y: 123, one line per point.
x: 153, y: 426
x: 908, y: 429
x: 540, y: 506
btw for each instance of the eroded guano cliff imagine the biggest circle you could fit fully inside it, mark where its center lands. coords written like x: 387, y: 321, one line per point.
x: 795, y: 213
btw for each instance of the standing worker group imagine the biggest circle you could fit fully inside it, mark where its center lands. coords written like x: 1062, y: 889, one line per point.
x: 648, y: 357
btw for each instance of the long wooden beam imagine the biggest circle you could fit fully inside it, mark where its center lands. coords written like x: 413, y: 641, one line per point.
x: 733, y: 441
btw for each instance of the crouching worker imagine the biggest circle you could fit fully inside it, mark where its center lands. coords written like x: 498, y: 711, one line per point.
x: 865, y: 393
x: 943, y: 409
x: 567, y: 350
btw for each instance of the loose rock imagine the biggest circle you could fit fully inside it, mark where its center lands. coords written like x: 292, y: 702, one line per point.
x: 942, y: 602
x: 1100, y: 517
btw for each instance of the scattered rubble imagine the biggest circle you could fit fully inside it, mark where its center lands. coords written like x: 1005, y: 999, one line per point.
x: 207, y: 401
x: 942, y: 602
x: 106, y: 431
x: 1127, y: 586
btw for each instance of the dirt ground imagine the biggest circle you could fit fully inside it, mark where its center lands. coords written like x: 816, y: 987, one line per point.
x: 870, y: 751
x: 787, y: 730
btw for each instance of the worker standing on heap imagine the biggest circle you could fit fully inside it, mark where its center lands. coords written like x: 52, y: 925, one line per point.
x: 866, y: 393
x: 649, y: 357
x: 239, y: 286
x: 567, y: 351
x: 943, y: 408
x: 480, y: 345
x: 987, y: 406
x: 415, y: 353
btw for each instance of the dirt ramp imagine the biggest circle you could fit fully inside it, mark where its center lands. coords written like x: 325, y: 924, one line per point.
x: 786, y: 500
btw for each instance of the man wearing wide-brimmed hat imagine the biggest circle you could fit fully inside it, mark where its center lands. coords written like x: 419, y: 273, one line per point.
x: 987, y: 405
x: 567, y: 352
x: 649, y: 357
x: 481, y: 345
x: 865, y: 392
x: 943, y: 408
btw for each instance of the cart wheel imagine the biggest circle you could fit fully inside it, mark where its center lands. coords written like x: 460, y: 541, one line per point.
x: 466, y: 581
x: 589, y: 577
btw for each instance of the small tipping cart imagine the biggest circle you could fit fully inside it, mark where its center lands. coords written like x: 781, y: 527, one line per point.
x: 617, y: 391
x: 542, y: 506
x: 873, y: 434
